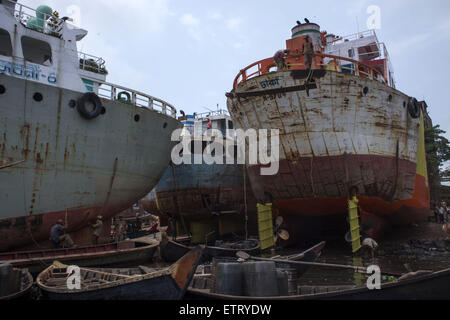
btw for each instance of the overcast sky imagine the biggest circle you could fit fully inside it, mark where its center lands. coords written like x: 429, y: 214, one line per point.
x: 188, y: 52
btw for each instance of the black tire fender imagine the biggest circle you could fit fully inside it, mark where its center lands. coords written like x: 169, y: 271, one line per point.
x: 413, y: 108
x: 88, y: 113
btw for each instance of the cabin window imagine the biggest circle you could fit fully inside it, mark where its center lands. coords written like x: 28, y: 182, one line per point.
x: 230, y: 124
x: 37, y: 51
x: 351, y: 53
x: 5, y: 43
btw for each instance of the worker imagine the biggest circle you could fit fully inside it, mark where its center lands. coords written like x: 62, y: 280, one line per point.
x: 57, y: 236
x: 442, y: 212
x: 369, y: 245
x: 279, y: 59
x: 120, y: 230
x: 308, y: 52
x: 97, y: 230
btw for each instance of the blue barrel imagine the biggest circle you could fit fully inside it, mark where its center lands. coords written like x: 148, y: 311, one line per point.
x: 260, y: 279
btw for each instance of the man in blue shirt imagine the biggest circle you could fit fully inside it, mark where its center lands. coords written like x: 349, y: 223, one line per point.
x: 57, y: 236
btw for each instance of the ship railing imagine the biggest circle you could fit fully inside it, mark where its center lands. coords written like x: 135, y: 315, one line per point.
x: 211, y: 114
x: 341, y: 64
x: 355, y: 36
x: 49, y: 24
x: 115, y: 92
x: 92, y: 63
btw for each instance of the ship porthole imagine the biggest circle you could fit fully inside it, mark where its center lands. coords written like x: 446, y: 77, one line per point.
x: 38, y: 97
x: 165, y: 125
x: 366, y: 90
x: 72, y: 103
x: 103, y: 110
x: 2, y: 89
x: 137, y: 118
x: 390, y: 98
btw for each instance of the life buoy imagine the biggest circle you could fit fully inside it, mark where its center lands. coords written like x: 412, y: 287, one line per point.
x: 89, y: 113
x: 126, y: 94
x: 413, y: 108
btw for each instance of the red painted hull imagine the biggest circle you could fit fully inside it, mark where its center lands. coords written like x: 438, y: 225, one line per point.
x: 20, y: 232
x: 311, y: 193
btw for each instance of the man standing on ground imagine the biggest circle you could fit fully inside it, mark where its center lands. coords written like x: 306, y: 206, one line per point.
x: 97, y: 230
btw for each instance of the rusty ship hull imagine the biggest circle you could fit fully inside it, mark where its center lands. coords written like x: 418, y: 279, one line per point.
x: 202, y: 194
x: 73, y: 168
x: 337, y: 131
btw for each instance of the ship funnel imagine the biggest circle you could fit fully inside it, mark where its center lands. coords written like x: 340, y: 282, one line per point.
x: 307, y: 29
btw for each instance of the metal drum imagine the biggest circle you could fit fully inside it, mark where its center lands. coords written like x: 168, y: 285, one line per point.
x: 282, y: 281
x: 228, y: 279
x: 292, y: 281
x: 260, y: 279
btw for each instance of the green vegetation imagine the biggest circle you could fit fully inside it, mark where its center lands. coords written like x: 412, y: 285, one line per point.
x: 438, y: 152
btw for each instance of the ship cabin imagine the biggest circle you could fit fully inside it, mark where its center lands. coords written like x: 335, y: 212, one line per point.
x: 37, y: 45
x: 359, y: 54
x: 197, y: 125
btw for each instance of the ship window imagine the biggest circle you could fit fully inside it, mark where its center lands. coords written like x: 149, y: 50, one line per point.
x: 351, y: 53
x: 5, y: 43
x: 37, y: 51
x: 230, y: 124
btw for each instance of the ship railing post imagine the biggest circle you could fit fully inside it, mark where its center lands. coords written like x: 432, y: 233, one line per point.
x: 113, y: 93
x: 357, y: 69
x: 20, y: 12
x: 150, y: 103
x: 133, y: 98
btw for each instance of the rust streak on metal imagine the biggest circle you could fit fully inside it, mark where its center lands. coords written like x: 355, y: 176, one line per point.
x: 110, y: 184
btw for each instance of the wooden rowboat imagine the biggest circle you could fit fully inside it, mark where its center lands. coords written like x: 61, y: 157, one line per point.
x: 424, y: 285
x: 126, y: 252
x: 15, y: 284
x: 166, y: 284
x: 172, y: 250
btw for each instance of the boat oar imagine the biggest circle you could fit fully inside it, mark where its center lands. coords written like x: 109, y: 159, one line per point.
x: 245, y: 256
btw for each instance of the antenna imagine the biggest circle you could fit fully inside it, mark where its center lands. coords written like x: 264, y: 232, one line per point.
x: 357, y: 25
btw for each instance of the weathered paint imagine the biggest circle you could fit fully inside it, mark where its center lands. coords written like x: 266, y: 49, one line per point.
x: 194, y: 188
x: 73, y: 167
x: 334, y: 136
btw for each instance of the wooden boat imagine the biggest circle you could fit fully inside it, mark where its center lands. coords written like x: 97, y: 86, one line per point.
x: 166, y: 284
x: 172, y: 250
x: 125, y: 252
x: 426, y: 285
x: 15, y: 283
